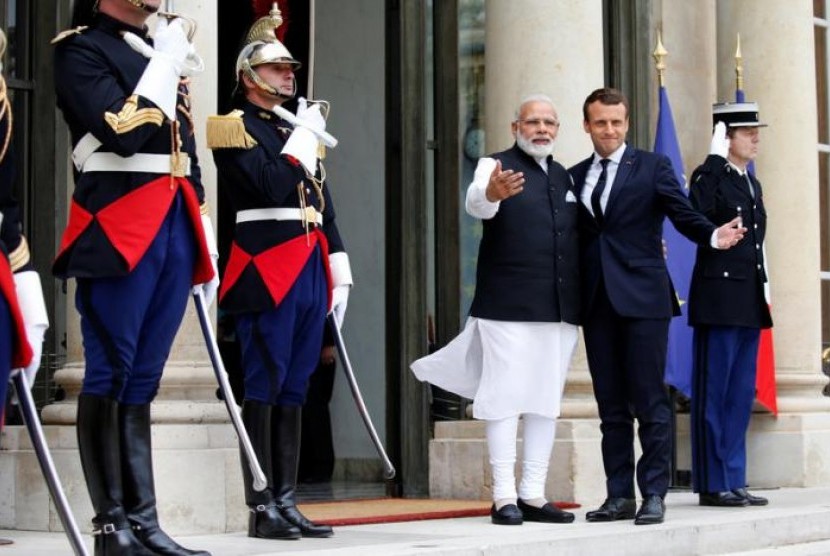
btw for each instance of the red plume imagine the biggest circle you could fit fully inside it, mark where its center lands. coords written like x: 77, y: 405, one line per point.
x: 262, y: 7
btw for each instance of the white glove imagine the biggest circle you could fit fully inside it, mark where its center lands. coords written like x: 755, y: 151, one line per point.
x: 339, y: 302
x: 193, y: 64
x: 303, y: 144
x: 720, y: 142
x: 160, y: 81
x: 35, y: 319
x: 209, y: 288
x: 341, y: 278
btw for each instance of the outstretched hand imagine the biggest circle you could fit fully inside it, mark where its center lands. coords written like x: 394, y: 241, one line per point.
x: 504, y: 184
x: 730, y: 233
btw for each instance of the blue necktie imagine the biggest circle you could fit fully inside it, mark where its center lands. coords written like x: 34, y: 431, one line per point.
x: 596, y: 194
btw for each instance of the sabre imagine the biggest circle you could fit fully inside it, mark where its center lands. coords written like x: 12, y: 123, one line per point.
x: 388, y: 468
x: 47, y: 466
x: 259, y: 480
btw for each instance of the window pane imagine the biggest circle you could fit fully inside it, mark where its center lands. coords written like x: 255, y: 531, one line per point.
x: 471, y: 116
x: 819, y: 9
x: 824, y: 208
x: 821, y: 83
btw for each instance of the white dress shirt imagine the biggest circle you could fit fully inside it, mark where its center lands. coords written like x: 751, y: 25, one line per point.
x: 593, y: 175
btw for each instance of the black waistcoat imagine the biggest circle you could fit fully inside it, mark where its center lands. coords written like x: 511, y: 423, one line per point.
x: 528, y: 267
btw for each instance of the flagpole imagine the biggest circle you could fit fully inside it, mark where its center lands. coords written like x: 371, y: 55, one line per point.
x: 739, y: 66
x: 660, y: 53
x: 659, y: 56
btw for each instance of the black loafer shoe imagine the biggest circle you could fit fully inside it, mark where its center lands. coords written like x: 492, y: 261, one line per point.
x: 751, y: 498
x: 548, y: 513
x: 613, y: 509
x: 507, y: 515
x: 722, y: 499
x: 652, y: 511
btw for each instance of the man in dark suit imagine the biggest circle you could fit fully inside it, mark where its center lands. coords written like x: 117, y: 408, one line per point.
x: 628, y: 299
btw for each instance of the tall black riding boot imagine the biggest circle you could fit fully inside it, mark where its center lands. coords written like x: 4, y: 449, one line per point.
x: 265, y: 520
x: 139, y: 487
x: 285, y: 454
x: 99, y: 447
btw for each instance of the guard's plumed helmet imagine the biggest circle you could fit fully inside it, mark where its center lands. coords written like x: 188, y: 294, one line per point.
x: 263, y: 47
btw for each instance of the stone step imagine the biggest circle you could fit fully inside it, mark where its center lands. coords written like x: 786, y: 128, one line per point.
x: 797, y: 521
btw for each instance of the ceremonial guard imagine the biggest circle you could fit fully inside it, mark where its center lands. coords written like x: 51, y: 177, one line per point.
x: 286, y: 268
x: 138, y: 238
x: 728, y: 309
x: 23, y: 319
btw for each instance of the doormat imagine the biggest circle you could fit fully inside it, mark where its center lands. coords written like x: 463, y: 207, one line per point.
x: 390, y: 510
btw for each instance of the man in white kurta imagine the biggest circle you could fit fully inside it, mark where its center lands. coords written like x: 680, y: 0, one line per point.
x: 513, y: 354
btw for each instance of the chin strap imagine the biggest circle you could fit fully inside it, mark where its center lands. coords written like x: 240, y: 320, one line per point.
x: 262, y: 85
x: 141, y: 5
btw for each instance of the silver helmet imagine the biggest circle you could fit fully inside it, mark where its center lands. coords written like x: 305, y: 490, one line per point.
x: 263, y: 47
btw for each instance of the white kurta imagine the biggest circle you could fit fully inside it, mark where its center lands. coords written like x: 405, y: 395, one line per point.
x: 506, y: 368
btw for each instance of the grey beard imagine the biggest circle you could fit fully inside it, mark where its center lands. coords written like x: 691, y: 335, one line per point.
x: 536, y: 151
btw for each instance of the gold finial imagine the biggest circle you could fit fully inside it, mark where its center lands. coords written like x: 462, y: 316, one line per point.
x: 659, y: 54
x: 739, y: 66
x: 265, y: 28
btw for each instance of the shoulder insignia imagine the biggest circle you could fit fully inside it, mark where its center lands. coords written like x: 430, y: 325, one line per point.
x: 228, y: 132
x: 68, y: 33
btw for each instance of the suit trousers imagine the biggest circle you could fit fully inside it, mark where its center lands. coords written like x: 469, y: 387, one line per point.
x: 627, y: 358
x: 723, y: 390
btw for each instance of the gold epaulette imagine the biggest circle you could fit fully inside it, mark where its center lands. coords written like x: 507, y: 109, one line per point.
x: 20, y: 256
x: 68, y: 33
x: 228, y: 132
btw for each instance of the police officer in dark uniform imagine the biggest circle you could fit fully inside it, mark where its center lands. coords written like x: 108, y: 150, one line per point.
x: 23, y: 319
x: 286, y: 268
x: 137, y: 240
x: 728, y: 309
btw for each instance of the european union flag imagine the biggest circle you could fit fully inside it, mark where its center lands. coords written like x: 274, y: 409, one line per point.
x: 680, y: 260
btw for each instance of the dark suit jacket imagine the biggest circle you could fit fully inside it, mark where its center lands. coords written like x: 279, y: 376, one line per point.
x: 728, y: 286
x: 627, y: 252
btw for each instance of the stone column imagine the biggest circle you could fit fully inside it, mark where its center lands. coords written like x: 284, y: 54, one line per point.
x: 196, y: 459
x: 779, y: 73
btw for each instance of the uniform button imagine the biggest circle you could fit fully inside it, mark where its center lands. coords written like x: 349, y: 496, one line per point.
x: 726, y: 275
x: 755, y: 226
x: 757, y: 246
x: 754, y: 207
x: 758, y: 266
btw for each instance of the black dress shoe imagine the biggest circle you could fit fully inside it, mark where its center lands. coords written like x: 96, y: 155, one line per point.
x: 751, y: 498
x: 509, y: 514
x: 652, y: 511
x: 548, y: 513
x: 723, y: 499
x: 613, y: 509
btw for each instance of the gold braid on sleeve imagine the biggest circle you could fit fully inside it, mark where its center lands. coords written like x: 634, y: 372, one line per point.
x: 131, y: 117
